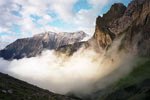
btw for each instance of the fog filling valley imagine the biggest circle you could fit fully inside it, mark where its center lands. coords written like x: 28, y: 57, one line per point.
x: 82, y: 73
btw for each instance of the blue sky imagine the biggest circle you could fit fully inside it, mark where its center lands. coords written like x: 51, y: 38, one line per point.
x: 24, y: 18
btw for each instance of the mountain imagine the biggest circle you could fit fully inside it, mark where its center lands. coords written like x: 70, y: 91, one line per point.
x: 103, y: 35
x: 132, y: 25
x: 29, y: 47
x: 133, y: 22
x: 11, y: 88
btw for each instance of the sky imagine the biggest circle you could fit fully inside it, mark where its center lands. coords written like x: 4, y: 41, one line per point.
x: 24, y: 18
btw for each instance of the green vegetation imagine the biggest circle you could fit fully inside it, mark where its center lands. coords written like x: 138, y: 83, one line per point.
x: 139, y: 73
x: 134, y: 86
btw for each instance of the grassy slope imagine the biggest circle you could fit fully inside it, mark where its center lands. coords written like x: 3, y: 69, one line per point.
x: 140, y: 73
x: 13, y: 89
x: 135, y: 86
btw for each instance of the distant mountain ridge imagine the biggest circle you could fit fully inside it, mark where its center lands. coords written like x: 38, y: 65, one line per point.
x: 29, y: 47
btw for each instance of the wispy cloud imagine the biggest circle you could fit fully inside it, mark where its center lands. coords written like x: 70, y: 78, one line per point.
x: 84, y: 72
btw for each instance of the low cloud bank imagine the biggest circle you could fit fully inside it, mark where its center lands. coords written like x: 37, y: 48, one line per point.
x: 82, y: 73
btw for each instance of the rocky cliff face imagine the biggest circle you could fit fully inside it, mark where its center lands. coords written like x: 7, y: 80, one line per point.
x: 133, y: 22
x: 137, y: 35
x: 103, y: 35
x: 29, y: 47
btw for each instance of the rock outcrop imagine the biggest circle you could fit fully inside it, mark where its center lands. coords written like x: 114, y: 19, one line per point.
x: 103, y: 35
x: 29, y: 47
x: 137, y: 35
x: 133, y: 22
x: 71, y: 48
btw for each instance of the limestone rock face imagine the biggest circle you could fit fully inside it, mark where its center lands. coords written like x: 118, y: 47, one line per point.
x: 103, y: 35
x: 133, y: 22
x: 137, y: 35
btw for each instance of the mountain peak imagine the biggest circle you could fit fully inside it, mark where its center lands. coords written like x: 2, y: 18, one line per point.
x: 116, y: 11
x: 33, y: 46
x: 133, y: 21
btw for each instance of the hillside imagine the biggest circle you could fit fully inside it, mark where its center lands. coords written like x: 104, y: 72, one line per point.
x: 135, y: 86
x: 11, y: 88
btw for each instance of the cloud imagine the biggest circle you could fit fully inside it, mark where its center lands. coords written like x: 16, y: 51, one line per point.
x: 82, y: 73
x: 7, y: 18
x: 64, y: 9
